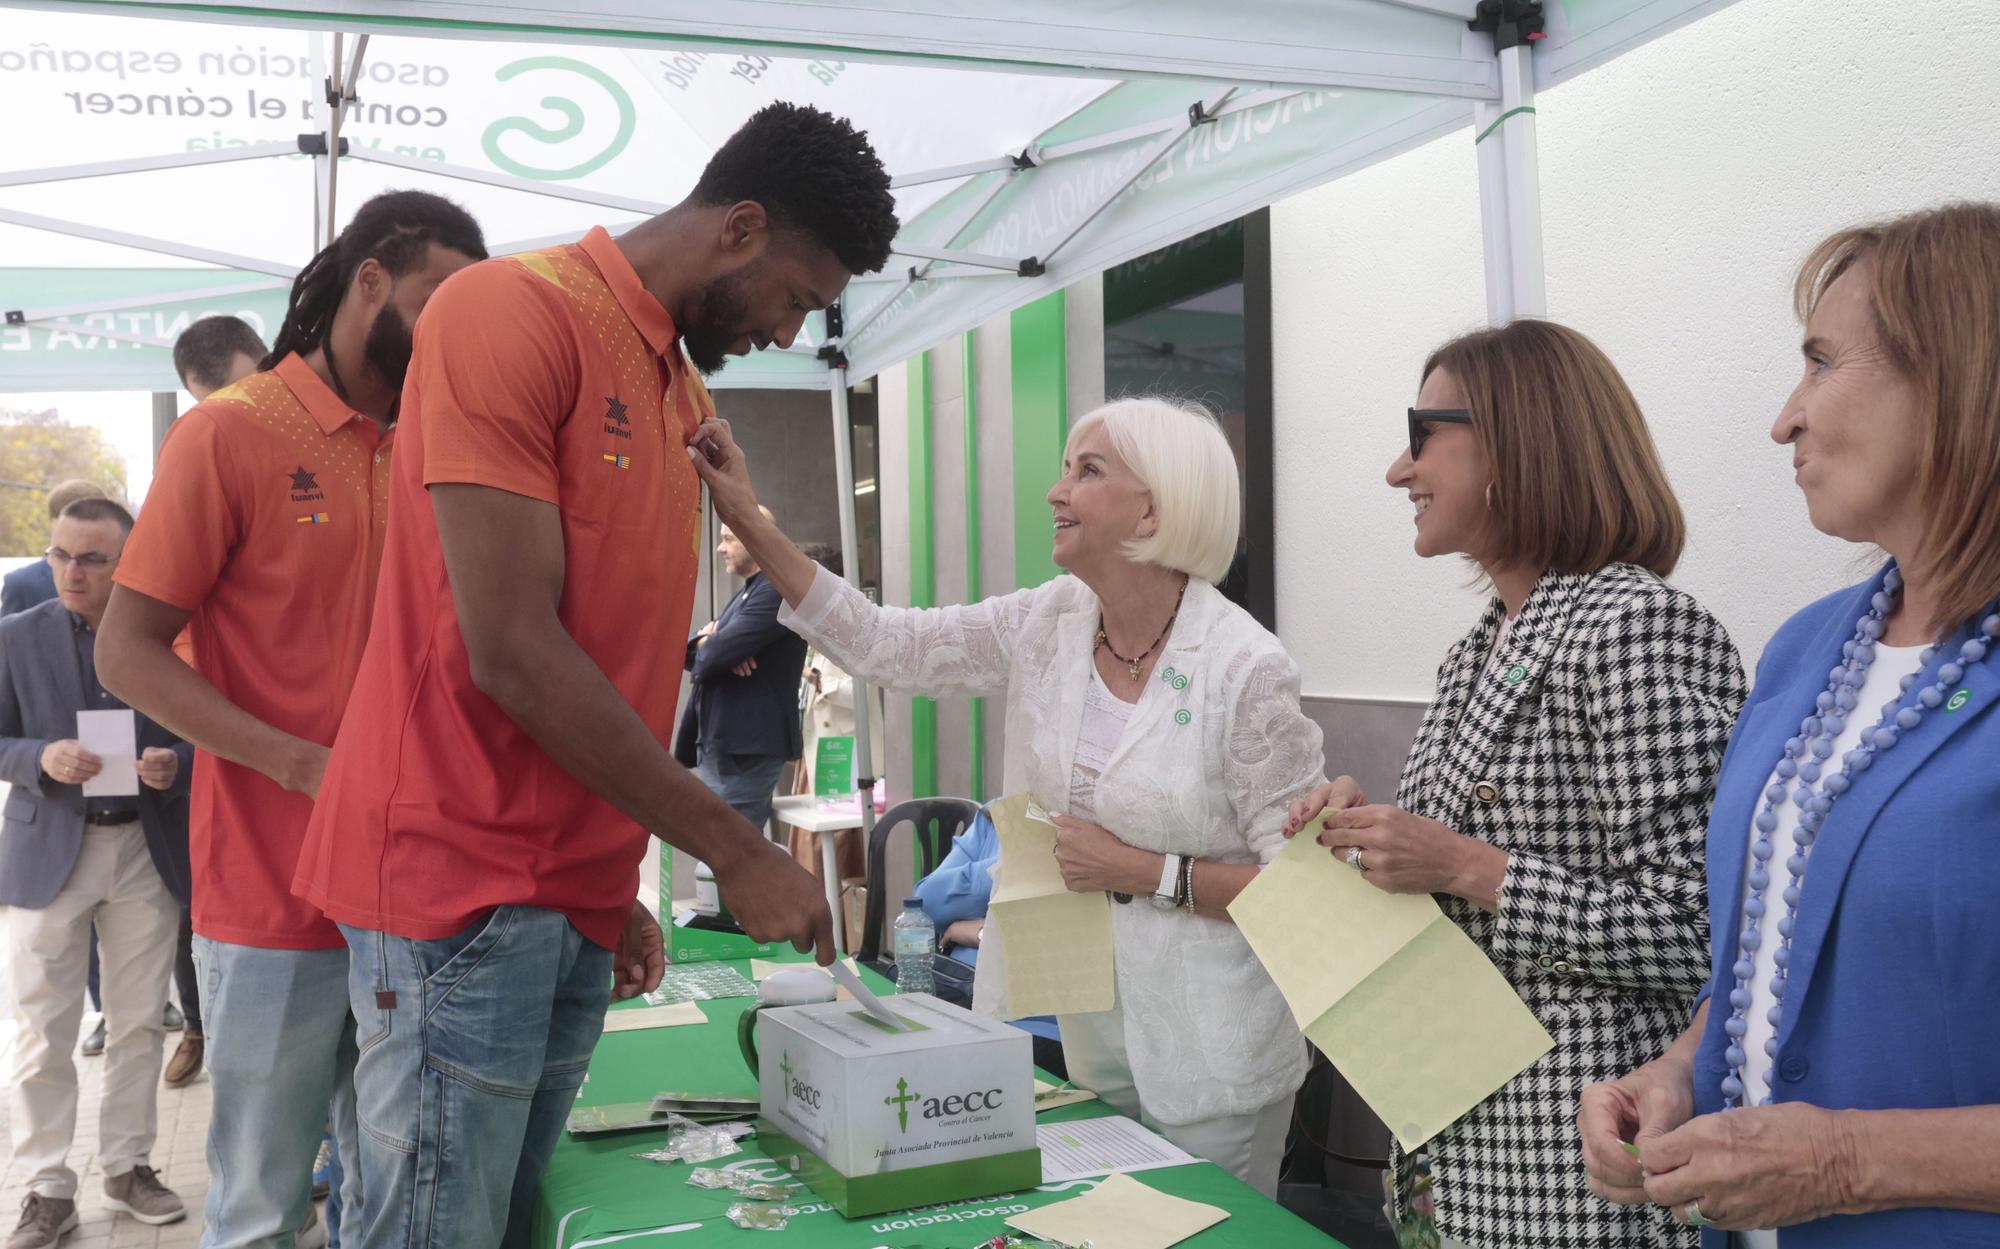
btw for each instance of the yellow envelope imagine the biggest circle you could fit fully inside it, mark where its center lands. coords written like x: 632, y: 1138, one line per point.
x: 1396, y: 995
x: 1056, y: 944
x: 1120, y: 1213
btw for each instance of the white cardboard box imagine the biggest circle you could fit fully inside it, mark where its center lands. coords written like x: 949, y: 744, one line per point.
x: 878, y: 1120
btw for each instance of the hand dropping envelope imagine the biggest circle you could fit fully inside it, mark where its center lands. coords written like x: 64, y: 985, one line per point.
x: 1056, y: 944
x: 1396, y: 995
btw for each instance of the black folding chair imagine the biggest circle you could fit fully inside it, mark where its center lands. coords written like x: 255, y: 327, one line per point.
x: 936, y: 821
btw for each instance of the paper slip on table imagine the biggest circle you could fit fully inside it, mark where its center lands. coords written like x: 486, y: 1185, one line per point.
x: 596, y: 1193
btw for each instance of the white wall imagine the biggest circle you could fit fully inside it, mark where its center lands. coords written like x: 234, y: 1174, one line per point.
x: 1681, y: 184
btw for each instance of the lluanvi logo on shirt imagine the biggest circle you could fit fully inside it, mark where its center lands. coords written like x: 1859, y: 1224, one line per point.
x: 305, y: 486
x: 616, y: 423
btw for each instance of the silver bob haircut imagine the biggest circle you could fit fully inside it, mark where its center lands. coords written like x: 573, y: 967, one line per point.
x: 1179, y: 453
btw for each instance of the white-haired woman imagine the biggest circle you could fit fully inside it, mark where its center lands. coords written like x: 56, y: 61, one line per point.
x: 1159, y: 717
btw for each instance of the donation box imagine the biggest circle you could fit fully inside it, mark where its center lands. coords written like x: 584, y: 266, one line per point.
x: 875, y: 1119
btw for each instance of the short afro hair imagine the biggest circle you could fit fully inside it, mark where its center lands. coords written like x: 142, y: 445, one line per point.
x: 812, y: 172
x: 206, y: 349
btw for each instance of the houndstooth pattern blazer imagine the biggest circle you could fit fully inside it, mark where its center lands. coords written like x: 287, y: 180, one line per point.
x: 1588, y: 749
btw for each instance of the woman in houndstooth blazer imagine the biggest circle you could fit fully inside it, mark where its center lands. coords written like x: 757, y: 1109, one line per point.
x: 1556, y: 796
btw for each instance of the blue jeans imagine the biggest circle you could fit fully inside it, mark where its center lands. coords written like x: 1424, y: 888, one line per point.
x: 280, y: 1048
x: 334, y: 1204
x: 744, y: 782
x: 472, y: 1050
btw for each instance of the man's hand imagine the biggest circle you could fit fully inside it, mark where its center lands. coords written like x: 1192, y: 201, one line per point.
x: 641, y: 958
x: 775, y: 899
x: 305, y: 767
x: 67, y: 763
x: 745, y: 668
x: 158, y: 767
x: 707, y: 631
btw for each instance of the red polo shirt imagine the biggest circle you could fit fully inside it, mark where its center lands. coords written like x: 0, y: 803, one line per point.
x: 265, y: 520
x: 553, y: 375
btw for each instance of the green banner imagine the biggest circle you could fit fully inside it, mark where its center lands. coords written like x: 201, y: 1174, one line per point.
x: 81, y: 353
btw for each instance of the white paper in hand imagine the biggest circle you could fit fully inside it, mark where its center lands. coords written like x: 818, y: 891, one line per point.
x: 112, y: 736
x: 869, y: 1002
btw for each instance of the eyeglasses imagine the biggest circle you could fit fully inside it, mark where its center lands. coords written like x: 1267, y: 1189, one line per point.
x: 1421, y: 420
x: 90, y: 561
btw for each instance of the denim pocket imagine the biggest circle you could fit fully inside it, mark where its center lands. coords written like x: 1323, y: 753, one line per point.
x: 448, y: 960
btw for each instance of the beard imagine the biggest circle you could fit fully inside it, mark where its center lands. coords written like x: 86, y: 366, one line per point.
x: 720, y: 311
x: 388, y: 346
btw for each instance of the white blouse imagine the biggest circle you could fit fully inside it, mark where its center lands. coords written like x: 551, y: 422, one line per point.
x: 1214, y: 752
x: 1105, y: 716
x: 1885, y: 676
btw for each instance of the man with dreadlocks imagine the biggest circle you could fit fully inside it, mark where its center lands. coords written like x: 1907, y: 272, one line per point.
x: 502, y: 765
x: 262, y: 534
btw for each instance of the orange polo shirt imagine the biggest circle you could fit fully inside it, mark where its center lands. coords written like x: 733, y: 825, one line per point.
x: 552, y: 375
x: 265, y: 520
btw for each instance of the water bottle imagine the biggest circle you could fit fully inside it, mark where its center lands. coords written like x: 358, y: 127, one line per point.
x: 915, y: 936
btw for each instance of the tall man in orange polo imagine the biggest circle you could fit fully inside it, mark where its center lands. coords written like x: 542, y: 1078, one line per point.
x: 501, y: 765
x: 261, y: 534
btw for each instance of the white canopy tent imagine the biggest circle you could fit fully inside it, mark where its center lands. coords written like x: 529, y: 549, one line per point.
x: 1029, y: 150
x: 1032, y: 144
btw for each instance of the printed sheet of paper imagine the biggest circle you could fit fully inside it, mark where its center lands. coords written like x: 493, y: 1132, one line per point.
x: 112, y: 736
x: 1120, y: 1213
x: 1409, y: 1008
x: 1087, y: 1147
x: 1057, y: 944
x: 678, y: 1015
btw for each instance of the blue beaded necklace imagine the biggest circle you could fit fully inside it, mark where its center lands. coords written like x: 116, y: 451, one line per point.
x: 1804, y: 762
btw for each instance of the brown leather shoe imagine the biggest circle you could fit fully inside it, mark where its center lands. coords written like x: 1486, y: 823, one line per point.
x: 185, y: 1065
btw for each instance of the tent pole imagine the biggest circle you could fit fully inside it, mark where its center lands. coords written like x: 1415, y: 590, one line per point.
x: 1524, y: 181
x: 527, y: 186
x: 1201, y: 114
x: 32, y: 313
x: 342, y: 84
x: 1510, y: 197
x: 146, y: 243
x: 144, y: 164
x: 1492, y: 156
x: 320, y: 226
x: 850, y: 561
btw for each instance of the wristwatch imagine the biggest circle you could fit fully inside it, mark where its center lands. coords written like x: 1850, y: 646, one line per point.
x: 1167, y: 896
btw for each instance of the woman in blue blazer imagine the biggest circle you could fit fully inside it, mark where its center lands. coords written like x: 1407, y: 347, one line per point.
x: 1840, y: 1084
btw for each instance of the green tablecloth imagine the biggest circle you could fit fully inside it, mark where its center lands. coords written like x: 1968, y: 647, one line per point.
x: 597, y: 1193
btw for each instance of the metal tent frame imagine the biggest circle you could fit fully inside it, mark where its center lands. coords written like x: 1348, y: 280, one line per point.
x: 1496, y: 89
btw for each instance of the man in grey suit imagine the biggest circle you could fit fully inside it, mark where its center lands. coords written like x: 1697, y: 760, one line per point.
x: 36, y: 583
x: 68, y: 861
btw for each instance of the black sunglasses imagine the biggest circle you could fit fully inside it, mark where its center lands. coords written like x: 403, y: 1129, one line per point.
x: 1421, y: 420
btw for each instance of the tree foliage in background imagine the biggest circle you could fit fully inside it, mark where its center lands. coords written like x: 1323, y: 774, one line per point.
x: 39, y: 450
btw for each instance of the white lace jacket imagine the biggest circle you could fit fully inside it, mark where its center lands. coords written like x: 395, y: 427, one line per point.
x: 1215, y: 750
